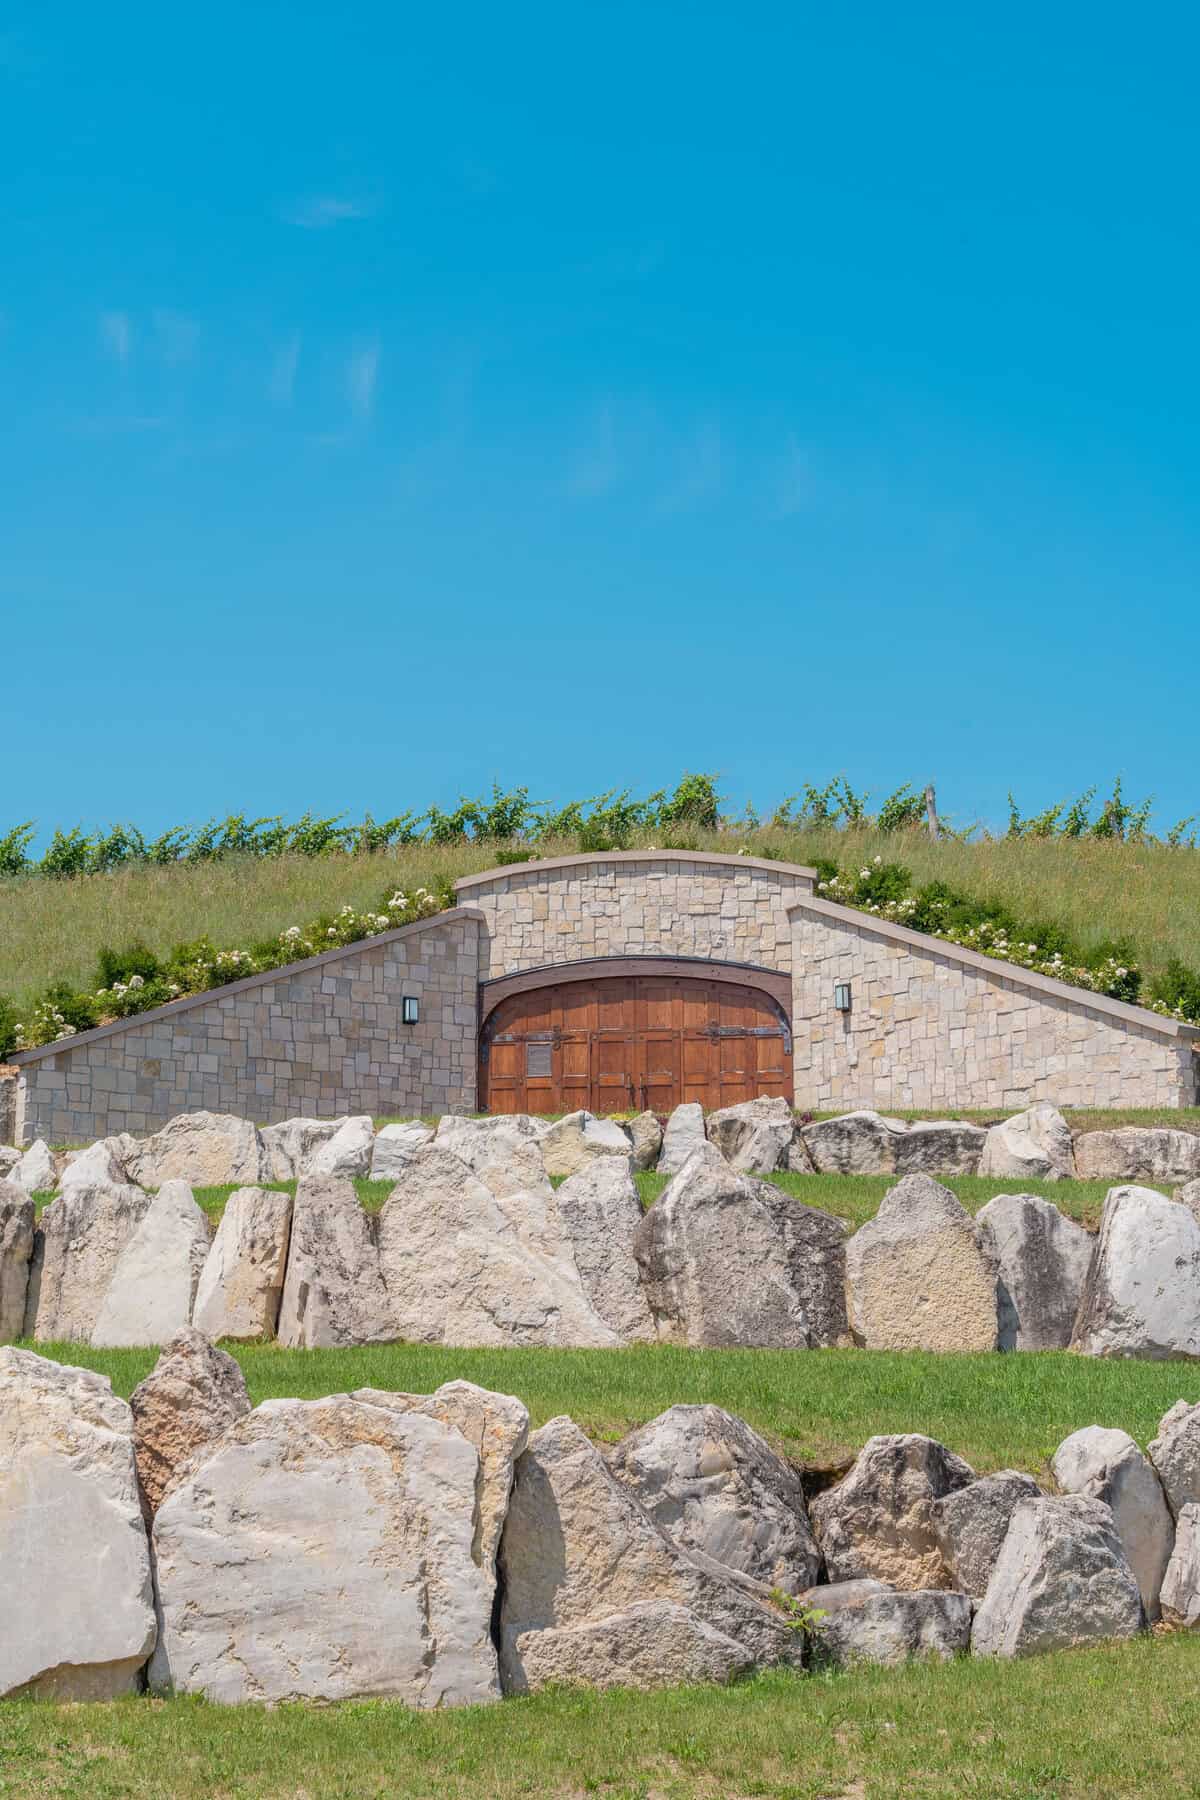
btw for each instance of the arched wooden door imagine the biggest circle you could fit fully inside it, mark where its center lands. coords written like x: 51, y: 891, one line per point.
x: 640, y: 1042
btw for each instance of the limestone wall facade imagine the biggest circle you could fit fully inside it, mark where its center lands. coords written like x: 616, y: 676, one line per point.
x: 933, y: 1026
x: 677, y: 903
x: 322, y: 1038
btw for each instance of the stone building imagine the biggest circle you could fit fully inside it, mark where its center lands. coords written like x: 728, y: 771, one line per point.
x: 633, y: 978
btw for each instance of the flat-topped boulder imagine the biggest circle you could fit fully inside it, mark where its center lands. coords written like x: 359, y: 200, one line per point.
x: 916, y: 1276
x: 203, y: 1148
x: 1034, y: 1145
x: 1142, y: 1295
x: 1041, y: 1259
x: 78, y: 1604
x: 939, y: 1147
x: 577, y: 1139
x: 889, y: 1628
x: 1138, y: 1153
x: 879, y: 1520
x: 395, y: 1146
x: 855, y: 1143
x: 754, y: 1136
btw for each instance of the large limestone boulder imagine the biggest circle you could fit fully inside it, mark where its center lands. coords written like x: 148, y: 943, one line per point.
x: 347, y: 1153
x: 1041, y: 1260
x: 333, y: 1292
x: 683, y: 1135
x: 600, y: 1213
x: 648, y: 1644
x: 241, y: 1283
x: 578, y: 1553
x: 971, y: 1523
x: 325, y: 1550
x: 503, y: 1153
x: 857, y: 1143
x: 462, y: 1265
x: 497, y: 1425
x: 1137, y: 1153
x: 1108, y: 1466
x: 1033, y: 1145
x: 1175, y: 1453
x: 10, y: 1156
x: 1180, y: 1597
x: 16, y: 1251
x: 78, y: 1604
x: 79, y: 1243
x: 190, y: 1398
x: 916, y: 1277
x: 203, y: 1148
x: 36, y: 1171
x: 576, y: 1140
x: 1061, y: 1579
x: 755, y: 1136
x: 879, y: 1520
x: 728, y: 1261
x: 889, y: 1628
x: 395, y: 1146
x: 289, y: 1146
x: 646, y: 1136
x: 1142, y: 1294
x: 153, y: 1285
x: 103, y: 1164
x: 711, y: 1484
x: 939, y: 1147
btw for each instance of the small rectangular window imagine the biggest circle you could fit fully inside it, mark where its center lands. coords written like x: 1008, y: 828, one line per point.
x: 539, y: 1060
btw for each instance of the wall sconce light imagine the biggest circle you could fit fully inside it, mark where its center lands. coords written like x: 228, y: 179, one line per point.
x: 841, y: 996
x: 410, y: 1009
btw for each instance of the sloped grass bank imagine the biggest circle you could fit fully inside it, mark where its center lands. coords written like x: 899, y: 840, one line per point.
x: 820, y: 1406
x: 1103, y: 1724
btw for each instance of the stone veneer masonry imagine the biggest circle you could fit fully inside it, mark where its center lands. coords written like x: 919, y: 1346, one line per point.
x: 930, y: 1025
x: 320, y: 1038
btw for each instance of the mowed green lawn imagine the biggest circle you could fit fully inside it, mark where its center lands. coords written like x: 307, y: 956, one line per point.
x: 1120, y: 1721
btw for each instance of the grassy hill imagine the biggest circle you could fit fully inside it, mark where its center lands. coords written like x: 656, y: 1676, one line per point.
x: 1098, y: 889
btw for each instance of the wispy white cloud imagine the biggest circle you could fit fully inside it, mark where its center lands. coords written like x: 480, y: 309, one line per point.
x: 701, y: 471
x: 116, y: 334
x: 176, y: 335
x: 319, y: 212
x: 362, y: 376
x: 596, y: 468
x: 283, y: 370
x: 794, y: 484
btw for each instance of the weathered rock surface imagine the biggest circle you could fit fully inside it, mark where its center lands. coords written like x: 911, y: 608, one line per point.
x: 502, y: 1152
x: 1180, y: 1597
x: 16, y: 1251
x: 939, y: 1147
x: 78, y: 1606
x: 203, y: 1148
x: 395, y: 1146
x: 1189, y: 1196
x: 576, y: 1140
x: 1137, y: 1153
x: 916, y: 1277
x: 325, y: 1551
x: 684, y: 1134
x: 289, y: 1146
x: 103, y: 1164
x: 10, y: 1156
x: 1175, y: 1453
x: 333, y: 1293
x: 971, y: 1523
x: 462, y: 1265
x: 1035, y: 1145
x: 36, y: 1171
x: 497, y: 1425
x: 646, y: 1136
x: 727, y: 1260
x: 347, y: 1153
x: 153, y: 1285
x: 1041, y: 1260
x: 857, y: 1143
x: 241, y: 1283
x: 890, y: 1627
x: 879, y: 1520
x: 711, y: 1484
x: 650, y: 1644
x: 1061, y: 1579
x: 1108, y: 1466
x: 754, y: 1136
x: 190, y: 1398
x: 78, y: 1245
x: 601, y: 1212
x: 578, y: 1553
x: 1142, y: 1294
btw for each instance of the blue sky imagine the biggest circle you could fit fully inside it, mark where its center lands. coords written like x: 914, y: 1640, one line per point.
x: 399, y: 399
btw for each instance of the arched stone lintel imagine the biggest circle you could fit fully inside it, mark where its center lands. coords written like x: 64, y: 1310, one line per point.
x: 775, y: 983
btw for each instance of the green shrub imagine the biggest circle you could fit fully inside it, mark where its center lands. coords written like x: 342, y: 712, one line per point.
x: 119, y: 965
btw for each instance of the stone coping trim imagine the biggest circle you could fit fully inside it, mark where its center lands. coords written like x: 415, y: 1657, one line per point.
x: 591, y: 857
x: 993, y: 966
x: 20, y: 1058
